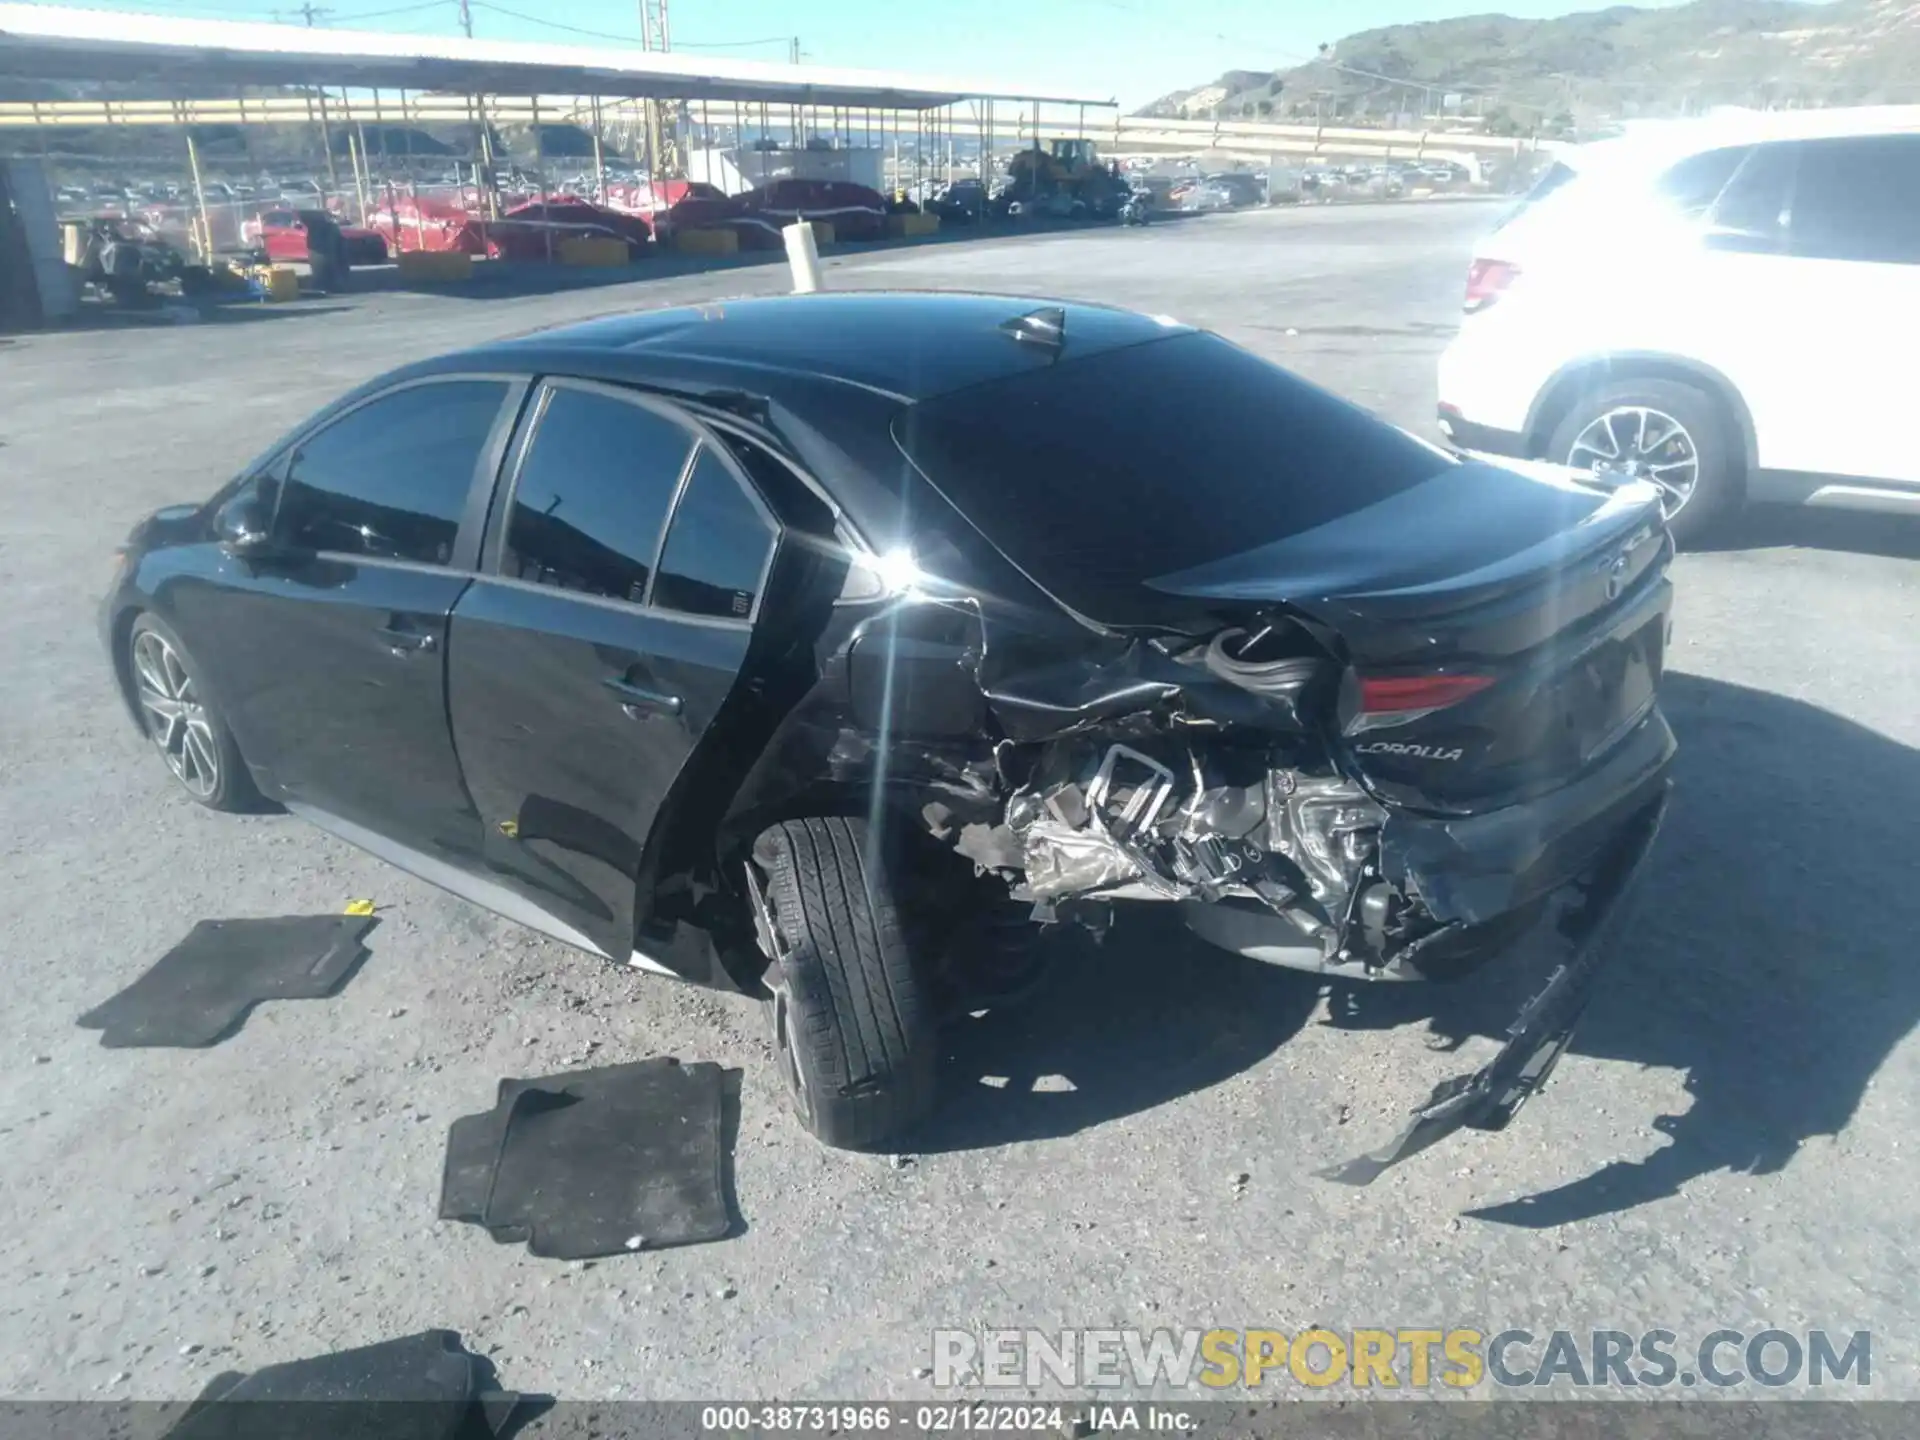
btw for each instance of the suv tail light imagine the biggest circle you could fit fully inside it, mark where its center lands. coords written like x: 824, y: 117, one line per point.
x: 1487, y: 281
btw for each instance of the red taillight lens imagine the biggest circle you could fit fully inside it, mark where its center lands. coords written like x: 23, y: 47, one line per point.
x: 1487, y: 281
x: 1400, y: 694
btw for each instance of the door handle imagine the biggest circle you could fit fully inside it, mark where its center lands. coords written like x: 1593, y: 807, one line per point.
x: 634, y: 699
x: 403, y: 642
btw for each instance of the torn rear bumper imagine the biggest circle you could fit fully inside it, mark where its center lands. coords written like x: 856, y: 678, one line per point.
x: 1476, y: 868
x: 1540, y: 1033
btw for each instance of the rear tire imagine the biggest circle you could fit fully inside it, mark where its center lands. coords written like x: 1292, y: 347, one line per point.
x: 1705, y: 433
x: 853, y: 1024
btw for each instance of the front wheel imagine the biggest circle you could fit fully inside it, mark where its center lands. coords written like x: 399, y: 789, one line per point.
x: 853, y: 1025
x: 1663, y: 431
x: 182, y: 720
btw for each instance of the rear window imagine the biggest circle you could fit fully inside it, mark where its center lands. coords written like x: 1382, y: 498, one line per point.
x: 1859, y: 199
x: 1557, y: 177
x: 1094, y: 476
x: 1691, y: 186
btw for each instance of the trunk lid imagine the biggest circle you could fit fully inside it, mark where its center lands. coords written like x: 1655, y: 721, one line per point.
x: 1183, y: 486
x: 1503, y: 628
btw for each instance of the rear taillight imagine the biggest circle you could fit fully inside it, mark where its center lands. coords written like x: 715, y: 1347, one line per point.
x: 1401, y: 697
x: 1487, y: 281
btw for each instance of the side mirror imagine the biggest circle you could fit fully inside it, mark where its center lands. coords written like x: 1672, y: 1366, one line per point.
x: 243, y: 524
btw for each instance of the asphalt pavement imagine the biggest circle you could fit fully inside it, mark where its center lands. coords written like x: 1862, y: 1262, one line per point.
x: 1730, y: 1143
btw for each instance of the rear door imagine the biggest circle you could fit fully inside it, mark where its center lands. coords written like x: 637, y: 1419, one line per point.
x: 626, y: 557
x: 1848, y: 297
x: 328, y: 654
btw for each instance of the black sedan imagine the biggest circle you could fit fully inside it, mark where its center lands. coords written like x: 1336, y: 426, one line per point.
x: 822, y: 647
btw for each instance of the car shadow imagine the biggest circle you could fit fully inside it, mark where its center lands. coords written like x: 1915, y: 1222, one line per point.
x: 96, y: 315
x: 1768, y: 956
x: 1115, y: 1029
x: 1766, y: 527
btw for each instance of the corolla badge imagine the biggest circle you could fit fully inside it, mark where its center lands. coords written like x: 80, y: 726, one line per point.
x: 1421, y: 752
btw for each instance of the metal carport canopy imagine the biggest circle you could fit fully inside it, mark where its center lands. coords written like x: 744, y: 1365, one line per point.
x: 48, y: 43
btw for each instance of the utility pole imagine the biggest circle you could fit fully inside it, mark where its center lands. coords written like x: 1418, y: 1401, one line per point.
x: 310, y: 15
x: 793, y: 111
x: 656, y: 35
x: 483, y: 138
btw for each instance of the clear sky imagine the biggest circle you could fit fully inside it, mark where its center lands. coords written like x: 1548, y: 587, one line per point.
x: 1134, y: 50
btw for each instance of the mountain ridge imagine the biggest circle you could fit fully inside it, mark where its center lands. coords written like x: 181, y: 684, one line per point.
x: 1589, y: 66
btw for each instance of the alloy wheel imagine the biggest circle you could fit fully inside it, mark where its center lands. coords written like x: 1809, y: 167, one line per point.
x: 766, y: 927
x: 785, y: 1046
x: 175, y: 716
x: 1636, y: 442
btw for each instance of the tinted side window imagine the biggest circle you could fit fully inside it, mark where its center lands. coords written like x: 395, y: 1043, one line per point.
x: 1692, y: 186
x: 1557, y: 177
x: 1751, y: 212
x: 390, y: 479
x: 1859, y: 200
x: 592, y: 494
x: 717, y: 547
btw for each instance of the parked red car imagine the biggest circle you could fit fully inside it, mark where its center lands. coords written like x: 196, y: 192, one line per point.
x: 641, y: 198
x: 533, y: 239
x: 723, y: 212
x: 572, y: 210
x: 424, y: 223
x: 283, y: 235
x: 854, y: 211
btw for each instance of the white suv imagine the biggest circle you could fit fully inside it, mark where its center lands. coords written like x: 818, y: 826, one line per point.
x: 1727, y: 306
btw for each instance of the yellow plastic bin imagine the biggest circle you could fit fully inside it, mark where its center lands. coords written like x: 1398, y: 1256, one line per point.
x: 434, y: 265
x: 279, y: 281
x: 597, y: 250
x: 706, y: 242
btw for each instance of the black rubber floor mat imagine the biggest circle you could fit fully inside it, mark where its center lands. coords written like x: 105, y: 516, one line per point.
x: 595, y: 1162
x: 202, y: 989
x: 422, y: 1387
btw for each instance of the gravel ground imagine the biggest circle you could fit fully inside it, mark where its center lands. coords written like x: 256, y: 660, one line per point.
x: 1723, y: 1147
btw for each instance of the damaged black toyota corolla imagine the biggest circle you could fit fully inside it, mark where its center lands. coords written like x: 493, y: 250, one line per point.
x: 821, y: 646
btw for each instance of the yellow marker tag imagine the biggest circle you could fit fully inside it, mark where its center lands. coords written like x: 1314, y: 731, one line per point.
x: 359, y: 907
x: 510, y: 829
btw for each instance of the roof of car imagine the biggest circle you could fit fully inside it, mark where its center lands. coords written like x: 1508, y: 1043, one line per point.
x: 910, y: 345
x: 1659, y: 142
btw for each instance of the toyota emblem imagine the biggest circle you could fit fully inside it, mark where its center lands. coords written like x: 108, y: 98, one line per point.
x: 1616, y: 577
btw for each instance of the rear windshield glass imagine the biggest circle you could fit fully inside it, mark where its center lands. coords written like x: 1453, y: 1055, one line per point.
x: 1097, y: 475
x: 1558, y: 176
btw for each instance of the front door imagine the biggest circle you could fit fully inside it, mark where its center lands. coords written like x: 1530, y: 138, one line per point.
x: 329, y: 652
x: 608, y: 627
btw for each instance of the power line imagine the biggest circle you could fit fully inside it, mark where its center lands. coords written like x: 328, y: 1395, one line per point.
x: 396, y: 10
x: 552, y: 24
x: 732, y: 44
x: 623, y: 39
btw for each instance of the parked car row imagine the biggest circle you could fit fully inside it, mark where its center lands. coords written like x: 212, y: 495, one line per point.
x: 122, y: 194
